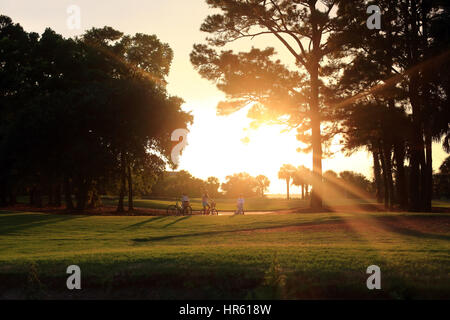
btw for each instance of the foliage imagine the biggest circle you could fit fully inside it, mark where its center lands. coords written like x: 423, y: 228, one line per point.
x: 287, y: 172
x: 174, y: 184
x: 441, y: 187
x: 306, y: 30
x: 396, y: 77
x: 88, y: 114
x: 240, y: 183
x: 263, y: 184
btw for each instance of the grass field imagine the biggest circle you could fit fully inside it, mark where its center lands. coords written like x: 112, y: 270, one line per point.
x: 441, y: 204
x: 295, y: 256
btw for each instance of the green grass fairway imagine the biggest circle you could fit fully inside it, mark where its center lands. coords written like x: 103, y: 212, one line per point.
x: 291, y: 256
x: 441, y: 204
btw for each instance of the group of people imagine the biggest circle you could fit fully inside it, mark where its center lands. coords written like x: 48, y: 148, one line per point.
x: 209, y: 204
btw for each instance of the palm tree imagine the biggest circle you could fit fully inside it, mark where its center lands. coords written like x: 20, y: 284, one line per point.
x: 302, y: 179
x: 287, y: 171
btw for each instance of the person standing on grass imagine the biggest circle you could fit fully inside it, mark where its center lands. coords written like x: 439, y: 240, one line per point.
x: 240, y: 204
x: 205, y: 202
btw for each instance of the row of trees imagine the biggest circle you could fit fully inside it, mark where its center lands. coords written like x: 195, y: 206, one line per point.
x: 383, y: 90
x: 347, y: 184
x: 344, y: 184
x: 173, y: 184
x: 406, y: 68
x: 300, y: 176
x: 245, y: 184
x: 83, y: 116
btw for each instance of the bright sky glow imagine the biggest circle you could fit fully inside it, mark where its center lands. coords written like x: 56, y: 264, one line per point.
x: 215, y: 143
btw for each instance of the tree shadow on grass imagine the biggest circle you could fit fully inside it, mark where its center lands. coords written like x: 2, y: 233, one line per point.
x: 176, y: 221
x: 384, y: 222
x: 140, y: 224
x: 22, y: 221
x: 209, y: 233
x: 154, y: 219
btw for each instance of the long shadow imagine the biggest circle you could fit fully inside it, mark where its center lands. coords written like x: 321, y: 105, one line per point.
x: 176, y: 221
x: 305, y: 224
x: 22, y: 221
x: 410, y: 232
x: 139, y: 224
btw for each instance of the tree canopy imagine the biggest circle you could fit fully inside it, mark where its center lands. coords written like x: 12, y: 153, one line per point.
x: 83, y: 114
x: 307, y: 29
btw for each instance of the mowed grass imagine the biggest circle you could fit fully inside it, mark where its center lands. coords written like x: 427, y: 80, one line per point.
x: 441, y: 204
x: 295, y: 256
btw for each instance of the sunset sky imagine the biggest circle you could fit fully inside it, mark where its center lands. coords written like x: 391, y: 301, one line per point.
x: 215, y: 143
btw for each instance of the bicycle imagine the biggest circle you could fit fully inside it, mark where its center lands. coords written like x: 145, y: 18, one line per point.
x: 177, y: 210
x: 211, y: 210
x: 240, y: 210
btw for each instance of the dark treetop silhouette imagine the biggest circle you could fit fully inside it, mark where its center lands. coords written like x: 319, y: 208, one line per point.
x: 83, y: 115
x: 396, y: 75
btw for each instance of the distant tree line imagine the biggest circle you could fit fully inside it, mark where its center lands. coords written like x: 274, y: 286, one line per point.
x: 300, y: 176
x: 245, y: 184
x: 174, y: 184
x: 82, y: 117
x: 347, y: 184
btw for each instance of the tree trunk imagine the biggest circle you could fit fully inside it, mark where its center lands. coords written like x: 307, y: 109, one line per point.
x: 32, y: 192
x: 388, y: 164
x: 120, y: 207
x: 82, y: 194
x: 377, y: 175
x: 58, y: 195
x: 316, y: 194
x: 416, y: 174
x: 68, y: 194
x: 3, y: 201
x: 12, y: 197
x: 38, y: 196
x: 303, y: 192
x: 417, y: 146
x: 287, y: 188
x: 51, y: 201
x: 385, y: 179
x: 416, y: 149
x: 130, y: 189
x: 402, y: 192
x: 428, y: 171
